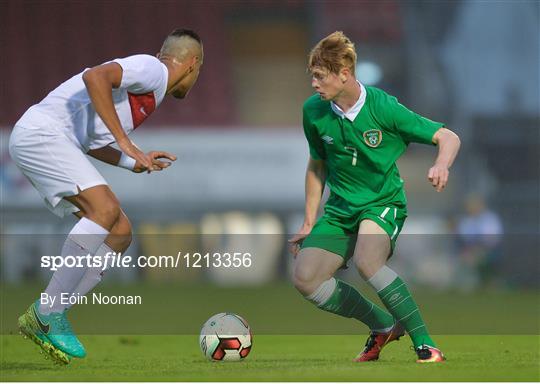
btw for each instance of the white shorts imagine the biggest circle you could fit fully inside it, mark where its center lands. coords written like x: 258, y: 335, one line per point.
x: 54, y: 164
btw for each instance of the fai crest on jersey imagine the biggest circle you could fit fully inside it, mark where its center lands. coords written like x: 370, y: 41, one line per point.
x: 373, y: 137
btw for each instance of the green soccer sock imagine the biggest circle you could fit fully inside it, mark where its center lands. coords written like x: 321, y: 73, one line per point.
x: 399, y: 302
x: 342, y: 299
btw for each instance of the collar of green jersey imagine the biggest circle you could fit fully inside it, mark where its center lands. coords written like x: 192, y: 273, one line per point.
x: 355, y: 109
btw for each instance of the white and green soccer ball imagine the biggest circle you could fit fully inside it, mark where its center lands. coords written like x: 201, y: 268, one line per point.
x: 225, y: 337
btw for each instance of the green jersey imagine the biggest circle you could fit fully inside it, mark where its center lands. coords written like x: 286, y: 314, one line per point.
x: 361, y: 155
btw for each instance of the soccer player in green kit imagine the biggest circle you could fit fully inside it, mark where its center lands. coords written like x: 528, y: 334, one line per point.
x: 355, y: 136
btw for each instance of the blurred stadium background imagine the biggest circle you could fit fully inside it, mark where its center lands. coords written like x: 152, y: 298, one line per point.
x: 239, y: 140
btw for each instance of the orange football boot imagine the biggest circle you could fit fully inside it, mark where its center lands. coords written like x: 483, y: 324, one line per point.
x: 427, y: 354
x: 377, y: 341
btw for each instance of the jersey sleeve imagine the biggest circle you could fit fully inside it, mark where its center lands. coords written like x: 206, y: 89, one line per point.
x: 316, y: 147
x: 411, y: 126
x: 141, y: 73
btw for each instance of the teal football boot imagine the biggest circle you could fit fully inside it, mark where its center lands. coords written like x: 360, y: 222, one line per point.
x: 51, y: 330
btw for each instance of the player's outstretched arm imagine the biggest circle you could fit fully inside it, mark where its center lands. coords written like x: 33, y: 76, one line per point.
x: 115, y: 157
x: 448, y: 143
x: 99, y: 82
x: 315, y: 180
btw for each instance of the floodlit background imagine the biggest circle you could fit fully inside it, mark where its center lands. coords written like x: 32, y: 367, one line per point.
x: 239, y: 140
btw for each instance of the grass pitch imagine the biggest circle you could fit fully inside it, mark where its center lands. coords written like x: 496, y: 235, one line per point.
x: 486, y: 336
x: 276, y: 358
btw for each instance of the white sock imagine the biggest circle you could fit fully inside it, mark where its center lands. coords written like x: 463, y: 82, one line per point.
x: 323, y: 292
x: 85, y: 238
x: 93, y: 275
x: 382, y: 278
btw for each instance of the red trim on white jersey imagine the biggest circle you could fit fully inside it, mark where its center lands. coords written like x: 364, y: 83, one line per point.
x: 141, y: 107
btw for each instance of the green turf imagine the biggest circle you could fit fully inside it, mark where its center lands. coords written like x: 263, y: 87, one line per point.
x: 275, y: 358
x: 489, y: 336
x: 275, y: 309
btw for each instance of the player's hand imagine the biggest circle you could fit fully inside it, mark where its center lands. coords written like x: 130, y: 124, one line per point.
x: 142, y: 160
x: 296, y: 240
x: 157, y: 165
x: 438, y: 177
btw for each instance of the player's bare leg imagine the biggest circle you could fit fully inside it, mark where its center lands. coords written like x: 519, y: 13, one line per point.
x: 372, y: 249
x: 312, y: 267
x: 98, y: 204
x: 120, y: 236
x: 313, y: 277
x: 371, y: 253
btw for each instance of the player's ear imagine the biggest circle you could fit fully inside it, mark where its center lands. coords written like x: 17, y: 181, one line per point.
x: 343, y: 75
x: 192, y: 64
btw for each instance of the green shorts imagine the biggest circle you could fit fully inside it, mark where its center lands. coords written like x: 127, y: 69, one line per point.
x: 338, y: 235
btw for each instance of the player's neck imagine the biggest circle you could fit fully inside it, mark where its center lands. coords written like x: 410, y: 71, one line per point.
x: 172, y: 80
x: 349, y: 96
x: 175, y: 74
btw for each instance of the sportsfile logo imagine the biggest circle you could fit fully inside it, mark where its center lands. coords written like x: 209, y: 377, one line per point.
x: 181, y: 260
x: 110, y: 259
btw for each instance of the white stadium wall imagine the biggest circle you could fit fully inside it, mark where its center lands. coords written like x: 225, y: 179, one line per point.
x: 262, y: 167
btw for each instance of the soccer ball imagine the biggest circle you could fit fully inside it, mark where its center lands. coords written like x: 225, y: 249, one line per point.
x: 225, y: 336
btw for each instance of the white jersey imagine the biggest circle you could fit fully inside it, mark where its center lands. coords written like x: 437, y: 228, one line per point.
x: 68, y: 108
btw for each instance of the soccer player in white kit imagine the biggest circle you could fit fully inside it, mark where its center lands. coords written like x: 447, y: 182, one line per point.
x: 50, y: 143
